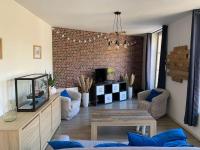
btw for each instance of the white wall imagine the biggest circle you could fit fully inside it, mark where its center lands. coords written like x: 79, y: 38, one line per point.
x: 20, y: 30
x: 179, y: 34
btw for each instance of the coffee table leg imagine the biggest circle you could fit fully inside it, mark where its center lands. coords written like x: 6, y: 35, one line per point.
x: 143, y: 130
x: 93, y: 132
x: 153, y: 129
x: 137, y: 128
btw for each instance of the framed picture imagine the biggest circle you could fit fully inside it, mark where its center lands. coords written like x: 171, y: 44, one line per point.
x: 37, y: 52
x: 1, y: 50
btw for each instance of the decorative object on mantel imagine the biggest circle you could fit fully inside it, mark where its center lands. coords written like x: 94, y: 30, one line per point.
x: 52, y: 83
x: 1, y: 50
x: 178, y: 63
x: 111, y: 74
x: 129, y: 80
x: 11, y: 115
x: 85, y: 85
x: 37, y: 52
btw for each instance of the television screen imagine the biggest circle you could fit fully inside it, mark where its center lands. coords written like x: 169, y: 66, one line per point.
x: 100, y: 75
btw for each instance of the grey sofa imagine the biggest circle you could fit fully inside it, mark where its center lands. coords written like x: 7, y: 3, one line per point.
x: 158, y: 107
x: 89, y: 145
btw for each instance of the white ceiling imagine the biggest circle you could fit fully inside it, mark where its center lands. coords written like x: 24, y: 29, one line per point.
x: 138, y: 16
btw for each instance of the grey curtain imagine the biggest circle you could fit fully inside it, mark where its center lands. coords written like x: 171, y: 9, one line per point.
x: 193, y: 90
x: 148, y: 61
x: 163, y: 54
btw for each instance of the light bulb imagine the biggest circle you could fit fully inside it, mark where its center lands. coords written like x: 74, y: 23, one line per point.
x: 117, y: 46
x: 125, y: 46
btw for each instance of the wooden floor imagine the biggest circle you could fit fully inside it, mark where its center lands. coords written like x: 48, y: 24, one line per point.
x: 79, y: 126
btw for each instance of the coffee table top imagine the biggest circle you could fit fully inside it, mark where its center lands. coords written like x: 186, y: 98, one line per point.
x: 114, y: 115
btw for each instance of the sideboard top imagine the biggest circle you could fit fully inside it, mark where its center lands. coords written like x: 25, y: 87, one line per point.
x: 23, y: 118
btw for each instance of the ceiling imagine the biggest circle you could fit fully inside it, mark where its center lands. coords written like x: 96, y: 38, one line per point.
x: 138, y: 16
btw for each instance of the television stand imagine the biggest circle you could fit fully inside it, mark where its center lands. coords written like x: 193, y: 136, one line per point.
x: 108, y: 92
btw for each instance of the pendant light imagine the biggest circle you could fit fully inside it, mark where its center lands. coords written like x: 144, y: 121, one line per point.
x: 117, y: 31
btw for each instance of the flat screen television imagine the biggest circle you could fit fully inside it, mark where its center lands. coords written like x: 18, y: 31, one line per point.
x: 104, y: 74
x: 101, y: 75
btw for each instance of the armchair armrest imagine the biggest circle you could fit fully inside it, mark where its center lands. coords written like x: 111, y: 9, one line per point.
x: 159, y: 105
x: 143, y: 95
x: 66, y: 103
x: 144, y: 105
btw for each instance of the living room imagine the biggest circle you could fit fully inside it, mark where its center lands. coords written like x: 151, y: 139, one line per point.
x: 120, y: 49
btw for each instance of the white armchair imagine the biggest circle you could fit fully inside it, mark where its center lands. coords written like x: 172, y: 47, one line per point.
x: 158, y: 107
x: 70, y: 107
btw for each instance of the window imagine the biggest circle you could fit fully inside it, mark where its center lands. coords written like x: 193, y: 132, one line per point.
x: 158, y: 50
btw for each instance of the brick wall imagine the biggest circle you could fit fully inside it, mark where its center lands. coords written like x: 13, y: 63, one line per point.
x: 73, y: 58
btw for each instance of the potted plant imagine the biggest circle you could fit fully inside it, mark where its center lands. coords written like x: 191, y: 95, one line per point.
x: 85, y: 85
x: 51, y: 83
x: 129, y: 80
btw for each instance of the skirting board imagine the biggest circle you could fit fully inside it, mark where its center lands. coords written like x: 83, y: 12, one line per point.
x: 185, y: 128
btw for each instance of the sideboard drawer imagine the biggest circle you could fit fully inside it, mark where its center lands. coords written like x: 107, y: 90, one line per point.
x: 108, y: 98
x: 100, y: 90
x: 30, y: 135
x: 45, y: 126
x: 56, y: 113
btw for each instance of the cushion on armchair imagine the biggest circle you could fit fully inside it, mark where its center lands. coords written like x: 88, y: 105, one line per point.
x: 153, y: 93
x: 64, y: 93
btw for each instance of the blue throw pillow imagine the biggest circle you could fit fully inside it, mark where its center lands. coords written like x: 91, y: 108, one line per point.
x: 168, y: 136
x: 64, y: 93
x: 65, y: 144
x: 153, y: 94
x: 177, y: 143
x: 111, y: 145
x: 140, y: 140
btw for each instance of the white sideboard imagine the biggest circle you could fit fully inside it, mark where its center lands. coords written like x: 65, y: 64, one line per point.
x: 31, y: 130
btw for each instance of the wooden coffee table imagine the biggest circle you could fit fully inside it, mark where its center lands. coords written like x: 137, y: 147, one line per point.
x: 121, y: 117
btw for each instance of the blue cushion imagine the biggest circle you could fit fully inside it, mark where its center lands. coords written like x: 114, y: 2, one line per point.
x: 64, y: 93
x: 170, y: 135
x: 65, y: 144
x: 177, y: 143
x: 140, y: 140
x: 153, y: 94
x: 111, y: 145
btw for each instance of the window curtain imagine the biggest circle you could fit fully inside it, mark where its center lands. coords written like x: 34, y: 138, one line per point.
x: 163, y: 54
x: 148, y: 61
x: 193, y: 89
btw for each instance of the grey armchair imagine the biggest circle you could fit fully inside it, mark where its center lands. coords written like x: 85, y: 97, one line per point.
x: 158, y: 107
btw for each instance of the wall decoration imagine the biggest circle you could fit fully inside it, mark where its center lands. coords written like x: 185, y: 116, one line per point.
x: 178, y: 63
x: 1, y: 50
x: 37, y: 52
